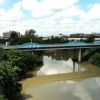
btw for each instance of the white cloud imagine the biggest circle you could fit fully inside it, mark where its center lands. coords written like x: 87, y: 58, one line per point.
x: 2, y: 2
x: 11, y: 18
x: 15, y: 11
x: 56, y: 15
x: 89, y: 5
x: 72, y: 11
x: 2, y: 11
x: 93, y: 13
x: 46, y: 8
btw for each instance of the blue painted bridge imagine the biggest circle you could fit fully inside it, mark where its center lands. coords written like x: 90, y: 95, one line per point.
x: 70, y: 45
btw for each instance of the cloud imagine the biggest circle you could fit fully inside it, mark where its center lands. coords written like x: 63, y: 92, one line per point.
x: 89, y: 5
x: 93, y: 13
x: 51, y: 17
x: 72, y: 11
x: 10, y: 20
x: 2, y: 11
x: 2, y: 2
x: 46, y: 8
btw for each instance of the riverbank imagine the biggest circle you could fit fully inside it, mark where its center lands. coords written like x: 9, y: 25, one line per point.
x: 92, y: 56
x: 13, y: 66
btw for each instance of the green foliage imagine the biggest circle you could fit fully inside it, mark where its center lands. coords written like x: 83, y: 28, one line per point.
x: 14, y: 39
x: 2, y: 97
x: 88, y: 53
x: 92, y: 55
x: 56, y: 40
x: 24, y: 60
x: 3, y: 54
x: 95, y: 59
x: 8, y: 79
x: 29, y: 34
x: 3, y: 40
x: 14, y: 64
x: 90, y: 39
x: 74, y: 36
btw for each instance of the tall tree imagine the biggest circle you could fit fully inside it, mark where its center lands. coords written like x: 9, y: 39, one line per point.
x: 14, y: 39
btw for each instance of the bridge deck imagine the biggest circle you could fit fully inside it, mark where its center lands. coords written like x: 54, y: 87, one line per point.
x: 55, y: 47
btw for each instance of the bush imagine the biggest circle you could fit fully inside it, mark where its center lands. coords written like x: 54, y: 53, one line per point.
x: 8, y: 80
x: 24, y: 61
x: 3, y: 54
x: 95, y: 59
x: 14, y: 64
x: 88, y: 53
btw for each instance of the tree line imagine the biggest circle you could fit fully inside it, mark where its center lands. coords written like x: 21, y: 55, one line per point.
x: 30, y: 36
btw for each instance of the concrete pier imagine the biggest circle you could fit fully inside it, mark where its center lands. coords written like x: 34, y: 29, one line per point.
x: 79, y: 55
x: 73, y: 54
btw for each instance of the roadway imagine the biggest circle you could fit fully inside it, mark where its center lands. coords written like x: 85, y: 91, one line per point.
x: 55, y: 47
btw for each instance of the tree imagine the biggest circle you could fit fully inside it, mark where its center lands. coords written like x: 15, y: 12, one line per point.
x: 90, y: 39
x: 14, y: 39
x: 74, y: 36
x: 29, y: 34
x: 52, y: 39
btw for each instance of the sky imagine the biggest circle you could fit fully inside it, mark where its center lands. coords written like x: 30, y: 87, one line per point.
x: 50, y: 17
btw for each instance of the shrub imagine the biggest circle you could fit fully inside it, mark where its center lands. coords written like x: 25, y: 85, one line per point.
x: 95, y: 59
x: 88, y: 53
x: 8, y: 80
x: 3, y: 54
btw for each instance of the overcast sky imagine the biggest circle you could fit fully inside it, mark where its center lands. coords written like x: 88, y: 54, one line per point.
x: 50, y: 17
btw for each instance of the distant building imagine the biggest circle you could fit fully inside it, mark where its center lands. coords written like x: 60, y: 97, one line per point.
x: 45, y: 38
x: 64, y: 36
x: 95, y: 34
x: 1, y: 37
x: 8, y: 34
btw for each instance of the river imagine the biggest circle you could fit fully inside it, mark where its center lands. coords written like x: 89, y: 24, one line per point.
x: 59, y: 78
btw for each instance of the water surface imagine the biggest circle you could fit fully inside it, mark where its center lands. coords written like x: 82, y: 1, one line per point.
x: 59, y: 78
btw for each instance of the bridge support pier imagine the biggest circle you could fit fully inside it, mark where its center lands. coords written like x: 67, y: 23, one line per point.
x: 79, y: 55
x: 73, y: 66
x: 73, y: 54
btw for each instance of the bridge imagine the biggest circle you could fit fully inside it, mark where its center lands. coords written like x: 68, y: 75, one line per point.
x: 70, y: 45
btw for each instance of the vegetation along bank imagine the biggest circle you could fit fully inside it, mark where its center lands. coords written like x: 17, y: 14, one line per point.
x: 13, y: 65
x: 92, y: 55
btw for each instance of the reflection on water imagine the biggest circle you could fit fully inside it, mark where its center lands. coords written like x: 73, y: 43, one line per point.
x: 60, y: 79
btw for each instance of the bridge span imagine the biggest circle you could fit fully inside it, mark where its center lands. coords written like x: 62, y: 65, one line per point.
x: 70, y: 45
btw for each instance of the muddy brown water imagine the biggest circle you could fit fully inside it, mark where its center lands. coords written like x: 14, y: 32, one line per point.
x: 59, y: 78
